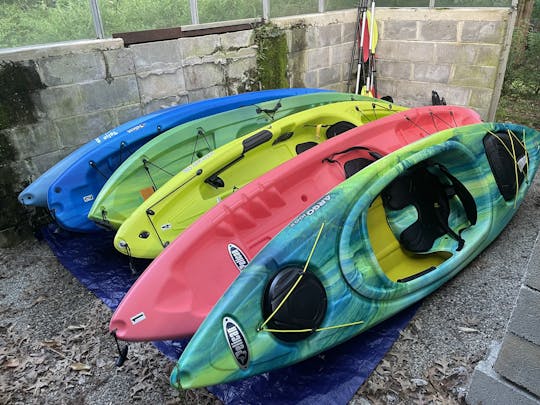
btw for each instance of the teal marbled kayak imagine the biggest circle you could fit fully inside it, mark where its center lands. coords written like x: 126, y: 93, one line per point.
x: 378, y: 242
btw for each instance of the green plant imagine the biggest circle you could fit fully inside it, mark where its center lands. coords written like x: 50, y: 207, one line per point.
x: 272, y: 53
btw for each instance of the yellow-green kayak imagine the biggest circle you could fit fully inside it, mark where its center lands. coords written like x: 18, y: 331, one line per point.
x: 203, y: 184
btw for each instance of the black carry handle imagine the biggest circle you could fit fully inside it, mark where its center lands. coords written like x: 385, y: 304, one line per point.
x: 269, y: 111
x: 373, y: 154
x: 250, y: 143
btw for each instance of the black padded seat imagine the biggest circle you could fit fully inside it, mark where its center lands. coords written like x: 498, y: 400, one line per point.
x: 423, y: 189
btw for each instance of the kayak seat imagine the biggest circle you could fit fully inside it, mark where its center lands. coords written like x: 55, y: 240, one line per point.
x: 339, y: 128
x: 421, y: 188
x: 353, y: 166
x: 508, y: 162
x: 302, y: 147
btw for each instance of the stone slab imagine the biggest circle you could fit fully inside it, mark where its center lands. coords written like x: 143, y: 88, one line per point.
x: 519, y: 362
x: 533, y: 268
x: 525, y: 320
x: 488, y: 387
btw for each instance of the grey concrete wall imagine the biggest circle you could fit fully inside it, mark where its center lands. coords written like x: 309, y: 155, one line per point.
x: 89, y: 87
x: 457, y: 52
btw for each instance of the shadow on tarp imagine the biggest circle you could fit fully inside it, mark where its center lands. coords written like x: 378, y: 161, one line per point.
x: 331, y: 377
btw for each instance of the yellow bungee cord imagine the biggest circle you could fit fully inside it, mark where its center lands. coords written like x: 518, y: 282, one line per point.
x: 293, y: 287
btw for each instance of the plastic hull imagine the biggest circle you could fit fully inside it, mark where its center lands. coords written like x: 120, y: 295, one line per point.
x: 348, y: 246
x: 71, y: 185
x: 160, y: 159
x: 226, y: 238
x: 215, y: 176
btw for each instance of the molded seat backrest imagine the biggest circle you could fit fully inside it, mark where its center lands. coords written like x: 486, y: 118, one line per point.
x: 423, y: 189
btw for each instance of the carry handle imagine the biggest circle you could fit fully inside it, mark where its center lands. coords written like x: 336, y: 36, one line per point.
x: 330, y: 158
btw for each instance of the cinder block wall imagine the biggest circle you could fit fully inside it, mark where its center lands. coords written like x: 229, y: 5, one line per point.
x: 512, y: 372
x: 89, y: 87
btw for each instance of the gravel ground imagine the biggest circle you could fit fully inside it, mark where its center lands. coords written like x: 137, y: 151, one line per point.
x: 54, y: 345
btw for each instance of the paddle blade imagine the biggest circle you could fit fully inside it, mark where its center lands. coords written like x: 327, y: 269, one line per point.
x: 372, y: 44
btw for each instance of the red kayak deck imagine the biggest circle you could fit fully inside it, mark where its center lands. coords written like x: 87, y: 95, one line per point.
x: 175, y: 293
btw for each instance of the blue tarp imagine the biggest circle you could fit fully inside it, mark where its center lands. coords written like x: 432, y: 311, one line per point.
x: 332, y: 377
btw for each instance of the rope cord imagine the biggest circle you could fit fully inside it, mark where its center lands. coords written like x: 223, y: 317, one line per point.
x: 94, y: 166
x: 416, y: 125
x: 374, y: 109
x: 343, y: 325
x: 433, y: 116
x: 301, y: 275
x: 149, y: 216
x: 200, y: 133
x: 512, y: 154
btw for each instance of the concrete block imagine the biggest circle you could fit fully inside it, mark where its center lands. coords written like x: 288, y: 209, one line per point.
x: 491, y: 32
x: 207, y: 93
x: 456, y: 53
x: 425, y: 72
x: 311, y: 79
x: 157, y: 104
x: 298, y: 40
x: 394, y: 69
x: 44, y: 162
x: 197, y: 47
x: 488, y: 387
x: 519, y: 362
x: 330, y: 75
x: 438, y: 30
x: 61, y: 101
x: 75, y: 131
x: 240, y: 69
x: 532, y: 278
x: 321, y: 36
x: 474, y: 76
x: 488, y: 55
x: 235, y: 40
x: 347, y: 31
x: 203, y: 76
x: 340, y: 54
x: 525, y: 319
x: 386, y: 87
x: 399, y: 30
x: 156, y: 55
x: 317, y: 58
x: 72, y: 68
x: 128, y: 113
x: 101, y: 95
x: 119, y: 62
x: 406, y: 51
x: 481, y: 98
x: 161, y: 85
x: 32, y: 140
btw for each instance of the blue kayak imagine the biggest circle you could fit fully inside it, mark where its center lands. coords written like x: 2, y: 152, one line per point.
x: 114, y: 146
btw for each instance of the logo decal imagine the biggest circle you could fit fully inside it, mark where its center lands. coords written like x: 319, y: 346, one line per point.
x: 238, y: 257
x: 311, y: 210
x: 138, y: 318
x: 88, y: 198
x: 237, y: 342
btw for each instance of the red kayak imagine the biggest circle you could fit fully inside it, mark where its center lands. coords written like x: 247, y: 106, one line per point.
x: 177, y: 290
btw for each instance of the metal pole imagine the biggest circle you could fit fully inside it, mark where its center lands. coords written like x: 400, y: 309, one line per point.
x: 266, y: 9
x: 431, y: 3
x: 96, y: 16
x: 321, y: 6
x: 194, y: 8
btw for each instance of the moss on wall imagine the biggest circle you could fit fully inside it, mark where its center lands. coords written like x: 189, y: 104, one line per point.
x: 271, y: 57
x: 16, y: 108
x: 18, y: 83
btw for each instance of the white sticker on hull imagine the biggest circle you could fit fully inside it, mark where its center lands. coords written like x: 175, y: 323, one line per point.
x: 138, y: 318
